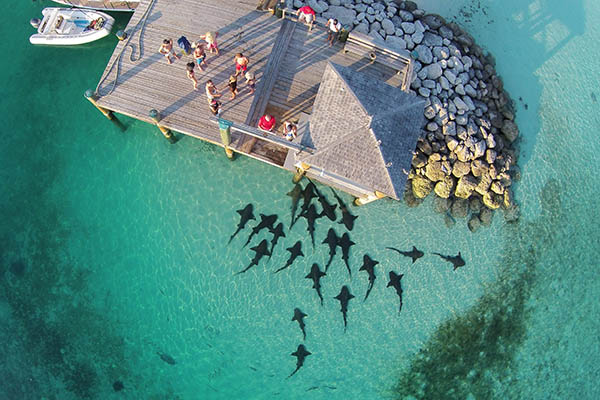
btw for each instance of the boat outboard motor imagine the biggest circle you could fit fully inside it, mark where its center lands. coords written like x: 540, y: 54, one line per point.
x: 35, y: 22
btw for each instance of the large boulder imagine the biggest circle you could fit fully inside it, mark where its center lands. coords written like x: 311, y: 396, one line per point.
x: 479, y: 167
x: 431, y: 39
x: 395, y: 41
x: 461, y: 169
x: 419, y: 160
x: 344, y: 15
x: 444, y: 188
x: 434, y: 171
x: 466, y: 186
x: 434, y: 21
x: 492, y: 201
x: 319, y: 6
x: 388, y: 26
x: 484, y: 184
x: 510, y: 130
x: 424, y: 54
x: 434, y: 71
x: 421, y: 186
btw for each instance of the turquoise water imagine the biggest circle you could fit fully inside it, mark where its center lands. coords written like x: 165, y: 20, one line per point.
x: 114, y: 247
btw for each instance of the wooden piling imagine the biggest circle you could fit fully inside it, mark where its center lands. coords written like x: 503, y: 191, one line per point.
x: 225, y: 131
x: 300, y: 172
x: 93, y: 97
x: 155, y: 115
x: 360, y: 201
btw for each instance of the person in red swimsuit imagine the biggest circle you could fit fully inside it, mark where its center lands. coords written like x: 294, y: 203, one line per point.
x: 306, y: 14
x: 241, y: 63
x: 266, y: 122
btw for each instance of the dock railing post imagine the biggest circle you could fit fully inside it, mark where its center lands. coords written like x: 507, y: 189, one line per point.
x: 93, y: 98
x: 225, y: 131
x: 300, y: 172
x: 155, y: 115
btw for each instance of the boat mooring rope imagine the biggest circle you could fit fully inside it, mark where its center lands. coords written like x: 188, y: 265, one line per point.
x: 116, y: 61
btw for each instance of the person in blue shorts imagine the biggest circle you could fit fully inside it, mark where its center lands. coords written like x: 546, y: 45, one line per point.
x: 200, y: 55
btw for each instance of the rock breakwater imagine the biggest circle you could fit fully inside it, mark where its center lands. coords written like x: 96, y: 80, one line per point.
x: 466, y: 155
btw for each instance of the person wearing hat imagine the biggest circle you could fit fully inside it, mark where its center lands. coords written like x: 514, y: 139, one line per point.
x: 250, y: 81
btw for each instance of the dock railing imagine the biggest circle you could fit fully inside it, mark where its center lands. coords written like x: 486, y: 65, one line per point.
x: 263, y: 135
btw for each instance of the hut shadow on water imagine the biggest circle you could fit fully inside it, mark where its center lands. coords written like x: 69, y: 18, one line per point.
x: 469, y: 354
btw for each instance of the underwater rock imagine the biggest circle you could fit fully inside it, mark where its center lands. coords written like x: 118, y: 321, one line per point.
x: 441, y: 205
x: 118, y: 386
x: 459, y: 208
x: 474, y: 223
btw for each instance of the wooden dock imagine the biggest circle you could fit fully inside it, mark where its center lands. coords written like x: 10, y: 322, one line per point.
x: 287, y: 59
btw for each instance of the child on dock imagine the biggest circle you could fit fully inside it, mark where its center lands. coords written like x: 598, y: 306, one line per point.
x: 200, y: 55
x: 211, y: 40
x: 190, y: 74
x: 241, y: 63
x: 290, y: 130
x: 250, y: 81
x: 215, y: 107
x: 233, y: 86
x: 166, y: 49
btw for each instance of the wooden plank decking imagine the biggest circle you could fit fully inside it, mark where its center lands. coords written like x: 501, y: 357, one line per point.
x: 138, y: 78
x: 287, y: 59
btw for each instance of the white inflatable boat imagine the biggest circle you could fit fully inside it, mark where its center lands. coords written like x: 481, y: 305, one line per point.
x: 70, y: 26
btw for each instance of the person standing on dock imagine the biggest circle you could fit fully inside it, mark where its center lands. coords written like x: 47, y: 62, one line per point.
x: 241, y: 63
x: 333, y: 30
x: 212, y: 92
x: 290, y: 130
x: 306, y: 15
x: 233, y: 86
x: 166, y: 49
x: 266, y: 122
x: 200, y: 55
x: 211, y: 40
x: 190, y: 74
x: 250, y: 82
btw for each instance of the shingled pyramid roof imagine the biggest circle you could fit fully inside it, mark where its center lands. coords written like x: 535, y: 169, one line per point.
x: 364, y: 130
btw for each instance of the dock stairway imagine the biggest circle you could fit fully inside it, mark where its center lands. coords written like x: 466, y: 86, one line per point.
x: 265, y: 86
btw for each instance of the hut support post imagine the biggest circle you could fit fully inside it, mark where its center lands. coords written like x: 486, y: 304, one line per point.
x: 359, y: 201
x: 300, y: 172
x: 155, y: 115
